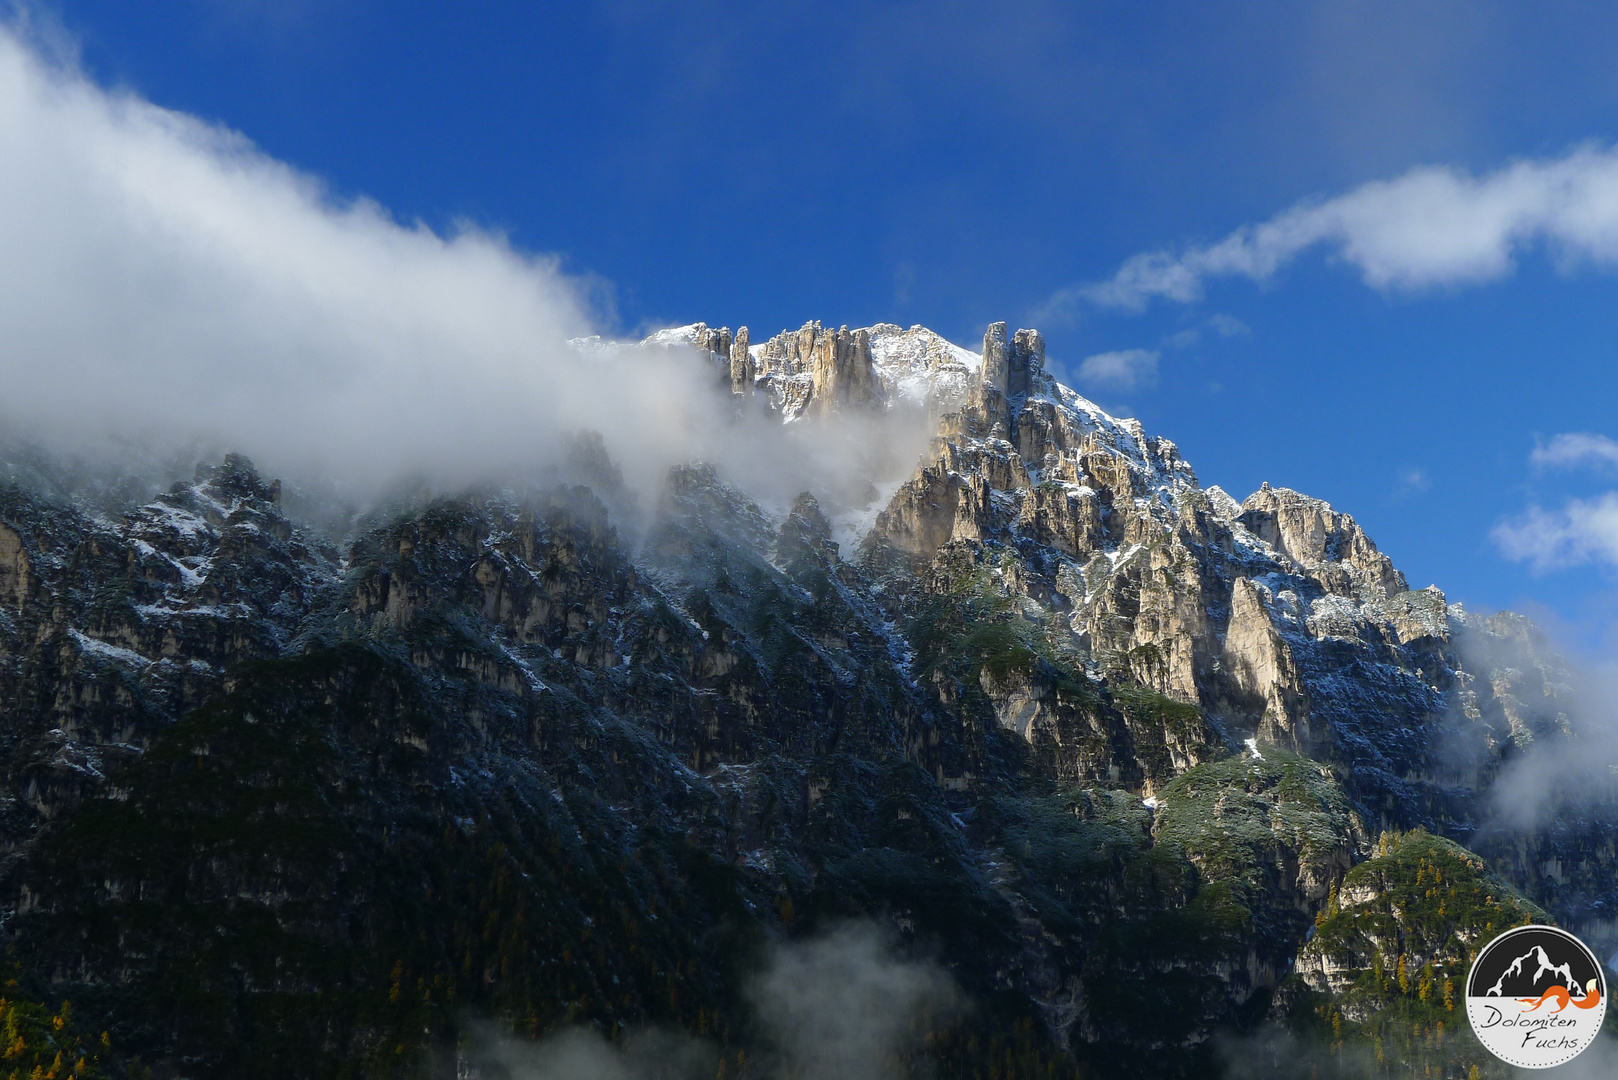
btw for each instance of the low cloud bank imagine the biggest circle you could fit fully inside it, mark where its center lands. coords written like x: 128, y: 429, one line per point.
x: 165, y: 284
x: 841, y: 1006
x: 1563, y: 759
x: 1565, y: 772
x: 159, y: 276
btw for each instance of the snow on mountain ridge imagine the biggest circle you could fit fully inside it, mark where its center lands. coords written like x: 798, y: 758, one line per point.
x: 922, y: 365
x: 915, y: 364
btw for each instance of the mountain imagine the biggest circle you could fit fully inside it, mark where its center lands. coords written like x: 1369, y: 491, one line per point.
x: 1523, y: 984
x: 1149, y: 771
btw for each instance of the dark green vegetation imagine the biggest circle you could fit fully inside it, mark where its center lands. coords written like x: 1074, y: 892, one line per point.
x: 271, y: 811
x: 1394, y: 944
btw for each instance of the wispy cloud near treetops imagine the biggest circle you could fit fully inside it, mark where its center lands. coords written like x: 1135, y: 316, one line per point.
x: 1431, y: 227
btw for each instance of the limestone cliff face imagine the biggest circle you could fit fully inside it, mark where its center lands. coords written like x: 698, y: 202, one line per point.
x: 1033, y: 450
x: 710, y: 339
x: 1066, y: 519
x: 1096, y: 492
x: 1275, y: 618
x: 13, y: 569
x: 819, y: 370
x: 1263, y: 672
x: 743, y: 372
x: 1328, y: 545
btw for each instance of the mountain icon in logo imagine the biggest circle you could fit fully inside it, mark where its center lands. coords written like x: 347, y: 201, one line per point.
x: 1531, y: 961
x: 1516, y: 982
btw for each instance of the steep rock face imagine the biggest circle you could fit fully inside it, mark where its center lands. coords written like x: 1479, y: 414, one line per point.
x: 1014, y: 441
x: 820, y: 369
x: 1277, y: 616
x: 1171, y: 639
x: 743, y: 372
x: 1261, y: 665
x: 13, y: 570
x: 936, y: 506
x: 1320, y: 540
x: 991, y: 665
x: 121, y: 626
x: 841, y: 371
x: 1066, y: 519
x: 491, y: 691
x: 1064, y: 478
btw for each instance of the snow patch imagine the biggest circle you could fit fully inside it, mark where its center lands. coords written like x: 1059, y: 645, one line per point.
x: 1223, y: 504
x: 182, y: 521
x: 534, y: 683
x: 115, y: 653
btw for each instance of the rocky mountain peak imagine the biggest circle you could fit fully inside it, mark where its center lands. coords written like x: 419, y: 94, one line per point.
x: 1317, y: 538
x: 1247, y: 611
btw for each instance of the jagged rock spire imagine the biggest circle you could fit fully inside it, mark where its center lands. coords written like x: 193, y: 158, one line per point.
x: 742, y: 371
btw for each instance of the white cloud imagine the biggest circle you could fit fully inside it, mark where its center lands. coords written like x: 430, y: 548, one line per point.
x: 1575, y: 448
x: 1583, y: 531
x: 1127, y: 369
x: 161, y: 277
x: 154, y: 269
x: 159, y: 273
x: 1224, y: 326
x: 1430, y: 227
x: 1413, y: 479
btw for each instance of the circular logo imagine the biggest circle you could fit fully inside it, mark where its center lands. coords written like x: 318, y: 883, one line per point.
x: 1536, y: 996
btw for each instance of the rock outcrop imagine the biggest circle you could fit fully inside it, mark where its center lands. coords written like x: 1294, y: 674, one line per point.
x: 13, y: 569
x: 819, y: 370
x: 743, y: 372
x: 1326, y: 544
x: 1262, y: 669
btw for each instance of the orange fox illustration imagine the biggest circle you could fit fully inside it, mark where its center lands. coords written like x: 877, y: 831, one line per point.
x: 1560, y: 995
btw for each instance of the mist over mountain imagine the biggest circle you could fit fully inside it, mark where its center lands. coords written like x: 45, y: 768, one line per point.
x: 170, y: 287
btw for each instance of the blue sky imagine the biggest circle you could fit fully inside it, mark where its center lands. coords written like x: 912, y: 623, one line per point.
x: 955, y: 163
